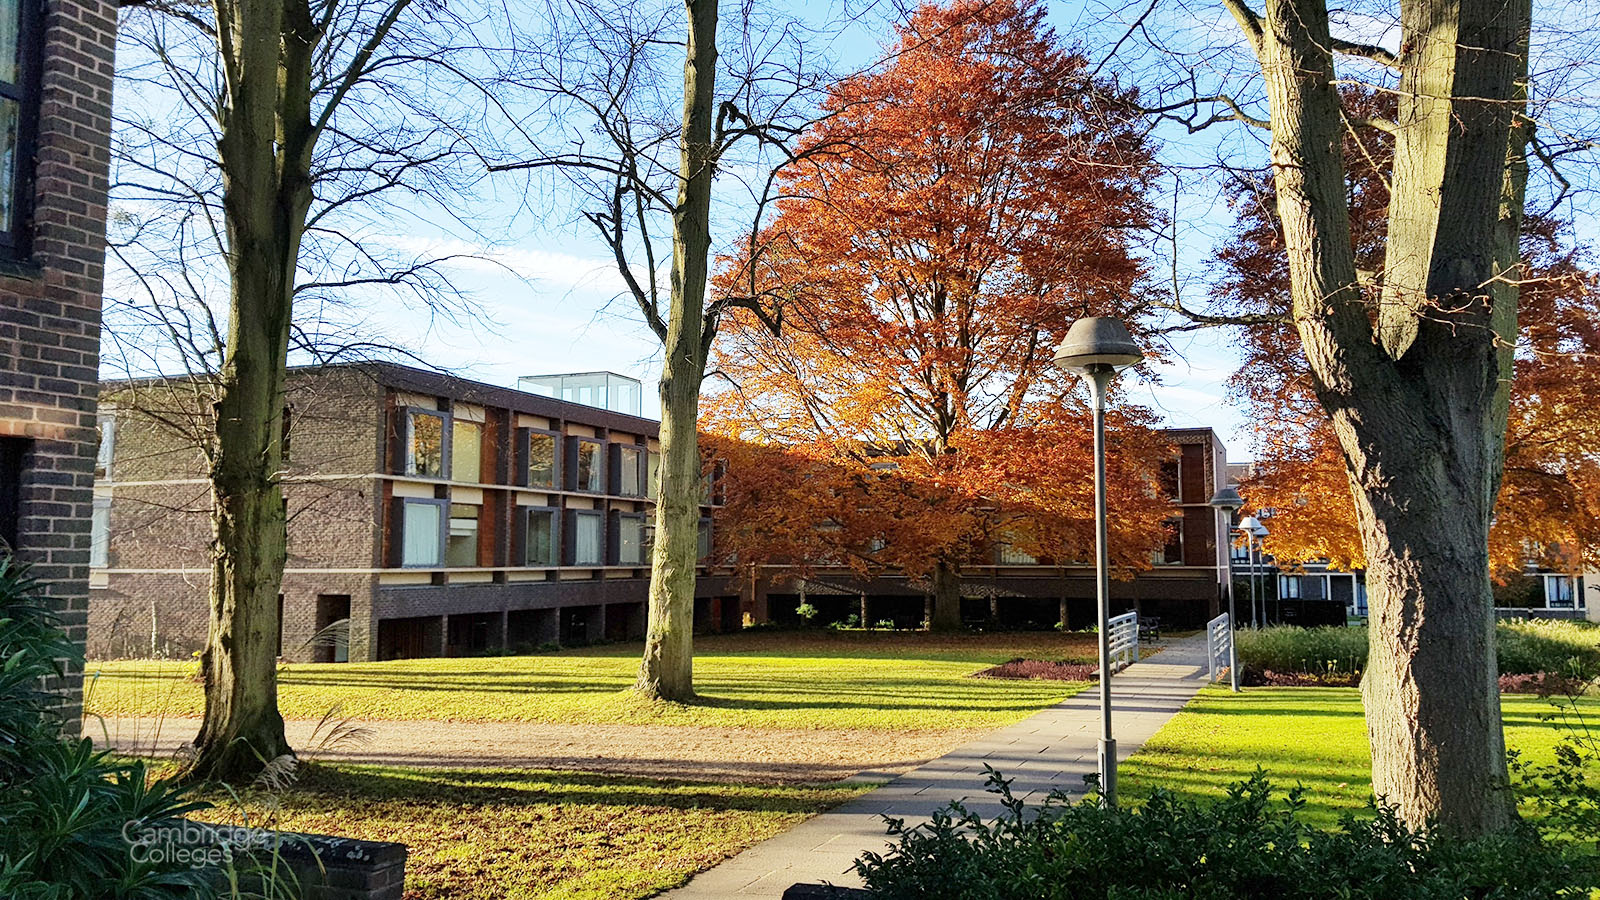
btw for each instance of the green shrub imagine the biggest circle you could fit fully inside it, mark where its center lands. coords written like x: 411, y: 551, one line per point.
x: 66, y: 809
x: 1524, y: 648
x: 1287, y: 648
x: 1244, y: 847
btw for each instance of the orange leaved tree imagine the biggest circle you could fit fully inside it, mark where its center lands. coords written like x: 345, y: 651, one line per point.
x: 977, y: 196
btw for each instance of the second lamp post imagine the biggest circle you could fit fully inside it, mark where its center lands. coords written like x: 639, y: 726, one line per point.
x: 1097, y: 348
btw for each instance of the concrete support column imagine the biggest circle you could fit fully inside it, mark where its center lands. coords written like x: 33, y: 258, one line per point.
x: 597, y: 624
x: 866, y: 618
x: 444, y: 636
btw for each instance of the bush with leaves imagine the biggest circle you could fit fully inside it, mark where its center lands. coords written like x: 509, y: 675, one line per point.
x: 1564, y: 794
x: 1570, y: 649
x: 1246, y: 846
x: 66, y: 808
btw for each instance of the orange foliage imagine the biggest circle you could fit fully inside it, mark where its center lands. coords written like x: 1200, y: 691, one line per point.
x: 1549, y: 506
x: 955, y: 212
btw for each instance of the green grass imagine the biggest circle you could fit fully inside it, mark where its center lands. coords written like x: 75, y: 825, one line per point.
x: 883, y: 681
x: 492, y: 834
x: 1315, y: 737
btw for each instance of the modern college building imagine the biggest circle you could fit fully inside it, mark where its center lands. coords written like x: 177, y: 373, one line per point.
x: 428, y: 516
x: 431, y: 515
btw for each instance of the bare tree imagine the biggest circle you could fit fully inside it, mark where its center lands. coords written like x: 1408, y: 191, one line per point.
x: 266, y: 139
x: 659, y: 172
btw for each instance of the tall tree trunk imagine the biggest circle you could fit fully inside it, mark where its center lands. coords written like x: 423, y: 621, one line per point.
x: 1419, y: 402
x: 946, y: 599
x: 667, y: 670
x: 264, y: 151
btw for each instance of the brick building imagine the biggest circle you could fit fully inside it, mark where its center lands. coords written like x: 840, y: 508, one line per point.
x: 55, y: 115
x: 435, y: 515
x: 1183, y: 587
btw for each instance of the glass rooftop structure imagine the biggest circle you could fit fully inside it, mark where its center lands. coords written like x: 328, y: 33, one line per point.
x: 605, y: 390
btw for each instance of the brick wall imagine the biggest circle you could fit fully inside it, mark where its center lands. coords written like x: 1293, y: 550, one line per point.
x: 161, y: 502
x: 50, y: 311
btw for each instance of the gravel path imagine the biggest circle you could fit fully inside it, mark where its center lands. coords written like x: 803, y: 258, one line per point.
x: 748, y: 755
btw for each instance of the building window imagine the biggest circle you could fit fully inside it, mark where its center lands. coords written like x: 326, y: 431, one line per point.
x: 647, y: 540
x: 461, y: 547
x: 630, y: 471
x: 466, y: 451
x: 422, y: 524
x: 425, y: 444
x: 105, y: 426
x: 541, y: 460
x: 539, y: 543
x: 591, y: 468
x: 1011, y: 556
x: 630, y: 541
x: 1288, y: 587
x: 19, y: 104
x: 100, y: 534
x: 652, y: 474
x: 587, y: 548
x: 703, y: 539
x: 1560, y: 592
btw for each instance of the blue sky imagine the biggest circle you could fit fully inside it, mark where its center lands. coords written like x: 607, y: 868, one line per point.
x: 562, y: 310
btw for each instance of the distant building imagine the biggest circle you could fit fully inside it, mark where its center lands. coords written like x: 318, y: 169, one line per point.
x: 428, y: 516
x: 1183, y: 586
x: 55, y: 102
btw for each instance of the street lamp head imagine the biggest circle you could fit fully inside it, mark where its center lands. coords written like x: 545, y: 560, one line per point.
x: 1227, y: 500
x: 1095, y: 341
x: 1259, y: 530
x: 1249, y: 524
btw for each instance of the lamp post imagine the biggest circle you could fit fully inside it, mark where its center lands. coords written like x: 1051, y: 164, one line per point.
x: 1097, y: 348
x: 1248, y: 525
x: 1227, y: 501
x: 1260, y: 531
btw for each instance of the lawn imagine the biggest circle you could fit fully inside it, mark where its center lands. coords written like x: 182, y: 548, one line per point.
x: 886, y: 681
x: 1315, y: 737
x: 491, y: 834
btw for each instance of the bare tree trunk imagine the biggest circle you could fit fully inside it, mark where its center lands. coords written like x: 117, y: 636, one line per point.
x: 667, y: 670
x: 1419, y: 403
x: 264, y: 152
x: 946, y: 599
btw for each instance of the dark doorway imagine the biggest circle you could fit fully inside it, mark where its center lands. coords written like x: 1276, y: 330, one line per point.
x: 331, y: 642
x: 472, y: 633
x: 408, y: 638
x: 731, y: 620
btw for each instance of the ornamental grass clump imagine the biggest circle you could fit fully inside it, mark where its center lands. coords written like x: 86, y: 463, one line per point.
x: 1247, y: 846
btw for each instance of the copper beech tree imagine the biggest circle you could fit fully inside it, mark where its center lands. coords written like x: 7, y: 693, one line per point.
x: 1548, y: 511
x: 979, y: 194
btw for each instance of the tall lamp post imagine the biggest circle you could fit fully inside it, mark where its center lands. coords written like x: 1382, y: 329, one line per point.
x: 1260, y: 531
x: 1248, y: 525
x: 1097, y: 348
x: 1227, y: 501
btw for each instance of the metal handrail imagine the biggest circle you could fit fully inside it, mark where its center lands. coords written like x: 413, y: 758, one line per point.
x: 1123, y: 632
x: 1219, y: 640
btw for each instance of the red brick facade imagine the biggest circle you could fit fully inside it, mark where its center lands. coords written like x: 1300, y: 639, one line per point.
x: 50, y: 309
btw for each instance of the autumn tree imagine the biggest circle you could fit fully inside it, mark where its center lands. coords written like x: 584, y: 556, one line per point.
x: 266, y: 126
x: 1545, y: 512
x: 979, y: 194
x: 1411, y: 363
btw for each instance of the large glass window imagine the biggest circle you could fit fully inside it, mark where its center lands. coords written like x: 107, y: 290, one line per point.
x: 1289, y: 587
x: 586, y: 543
x: 19, y: 48
x: 591, y: 467
x: 466, y: 451
x: 539, y: 540
x: 461, y: 548
x: 541, y: 460
x: 425, y: 444
x: 421, y: 530
x: 652, y: 474
x: 703, y: 538
x: 630, y: 541
x: 1011, y: 556
x: 629, y: 458
x: 1560, y: 591
x: 100, y: 534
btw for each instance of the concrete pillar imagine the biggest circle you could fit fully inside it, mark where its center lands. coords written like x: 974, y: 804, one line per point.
x: 444, y: 636
x: 500, y: 640
x: 866, y: 618
x: 1062, y: 622
x: 597, y: 624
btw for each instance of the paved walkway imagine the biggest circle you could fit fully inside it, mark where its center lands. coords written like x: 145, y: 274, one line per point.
x: 1052, y: 749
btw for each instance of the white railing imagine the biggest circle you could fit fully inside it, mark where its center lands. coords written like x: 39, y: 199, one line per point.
x: 1219, y: 643
x: 1123, y: 634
